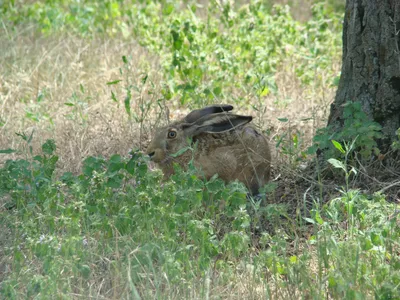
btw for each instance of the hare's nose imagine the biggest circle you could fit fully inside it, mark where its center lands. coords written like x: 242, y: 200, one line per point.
x: 151, y: 154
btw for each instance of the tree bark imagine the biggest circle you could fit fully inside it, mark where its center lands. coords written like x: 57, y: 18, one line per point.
x: 371, y: 65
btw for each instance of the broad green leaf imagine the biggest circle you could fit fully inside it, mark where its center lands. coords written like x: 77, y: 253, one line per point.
x: 85, y: 271
x: 49, y: 147
x: 318, y: 218
x: 168, y: 8
x: 336, y: 163
x: 131, y: 166
x: 338, y: 146
x: 309, y: 220
x: 264, y: 92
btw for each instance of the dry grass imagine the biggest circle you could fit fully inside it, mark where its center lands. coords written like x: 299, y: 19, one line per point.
x: 40, y: 74
x: 56, y: 67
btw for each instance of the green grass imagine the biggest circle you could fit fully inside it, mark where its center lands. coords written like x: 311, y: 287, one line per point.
x: 82, y: 82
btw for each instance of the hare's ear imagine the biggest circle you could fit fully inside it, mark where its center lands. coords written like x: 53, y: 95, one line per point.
x: 216, y: 123
x: 213, y: 109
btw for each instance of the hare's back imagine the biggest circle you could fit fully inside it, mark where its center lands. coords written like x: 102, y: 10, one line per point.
x: 243, y: 155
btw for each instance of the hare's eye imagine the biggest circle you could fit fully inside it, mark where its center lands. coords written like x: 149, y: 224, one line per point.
x: 172, y: 134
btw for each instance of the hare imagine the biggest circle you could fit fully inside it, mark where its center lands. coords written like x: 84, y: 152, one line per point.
x: 226, y: 145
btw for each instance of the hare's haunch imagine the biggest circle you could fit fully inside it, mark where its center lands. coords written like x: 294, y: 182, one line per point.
x: 226, y: 145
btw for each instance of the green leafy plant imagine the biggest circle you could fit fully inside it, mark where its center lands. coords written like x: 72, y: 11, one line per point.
x: 363, y: 222
x: 202, y: 58
x: 396, y: 144
x: 116, y: 197
x: 356, y: 128
x: 140, y: 97
x: 28, y: 178
x: 344, y: 165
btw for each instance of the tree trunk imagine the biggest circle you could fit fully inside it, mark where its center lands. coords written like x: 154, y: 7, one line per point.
x: 371, y: 65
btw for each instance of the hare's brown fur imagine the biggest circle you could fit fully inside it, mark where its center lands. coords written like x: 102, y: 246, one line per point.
x: 225, y: 145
